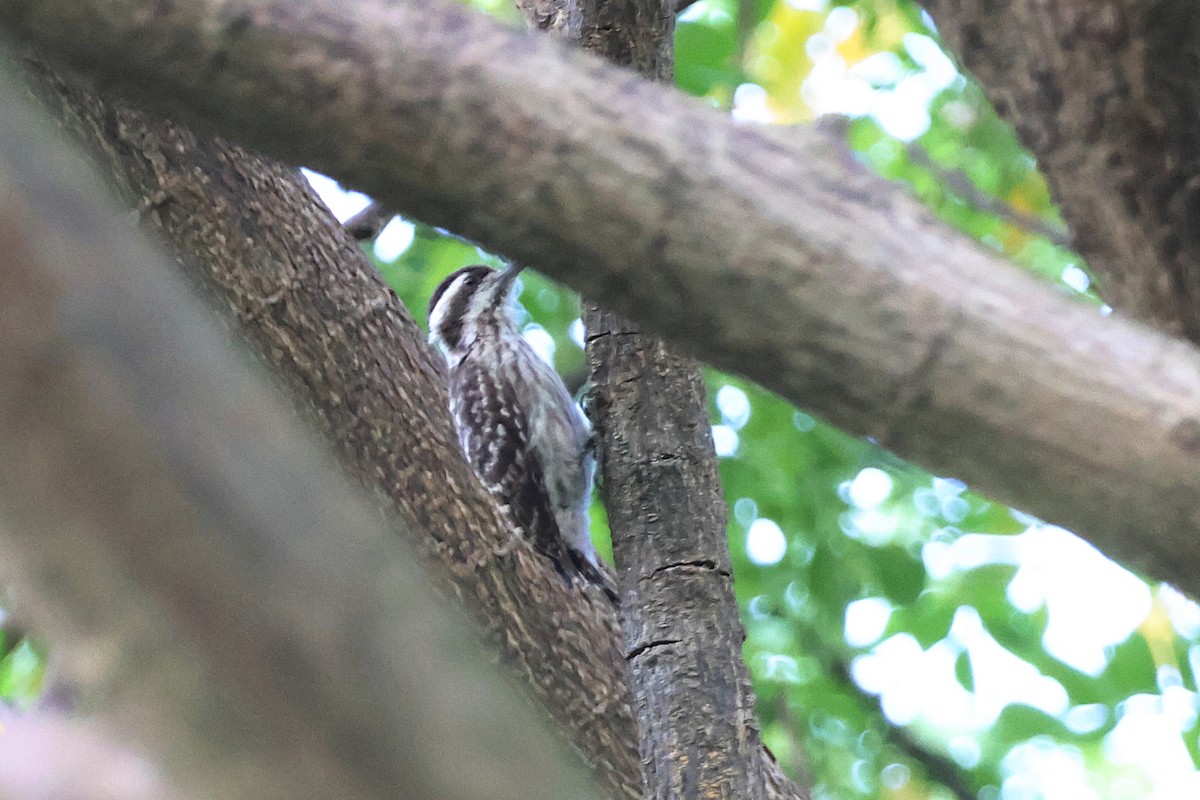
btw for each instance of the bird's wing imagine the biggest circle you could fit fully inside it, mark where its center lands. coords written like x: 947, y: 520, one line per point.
x: 494, y: 432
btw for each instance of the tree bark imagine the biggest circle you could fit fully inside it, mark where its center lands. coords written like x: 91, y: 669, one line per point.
x: 1105, y: 94
x: 698, y: 733
x: 768, y: 252
x: 252, y: 232
x: 195, y: 556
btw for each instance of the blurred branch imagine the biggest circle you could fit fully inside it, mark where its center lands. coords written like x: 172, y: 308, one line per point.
x: 769, y: 252
x: 193, y: 555
x: 367, y: 224
x: 13, y: 632
x: 798, y: 763
x: 936, y: 765
x: 747, y: 10
x: 959, y: 183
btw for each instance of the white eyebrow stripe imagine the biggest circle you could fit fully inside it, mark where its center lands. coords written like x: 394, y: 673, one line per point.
x: 438, y: 315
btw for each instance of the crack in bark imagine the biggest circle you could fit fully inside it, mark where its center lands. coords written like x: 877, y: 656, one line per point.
x: 643, y: 648
x: 697, y: 564
x: 595, y: 337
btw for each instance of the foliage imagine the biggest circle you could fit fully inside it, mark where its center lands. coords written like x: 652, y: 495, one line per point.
x: 22, y: 666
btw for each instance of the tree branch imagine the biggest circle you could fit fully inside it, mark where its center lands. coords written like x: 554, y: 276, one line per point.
x: 367, y: 224
x: 771, y: 253
x: 959, y: 183
x: 254, y: 234
x: 683, y: 635
x: 1104, y: 93
x: 191, y: 551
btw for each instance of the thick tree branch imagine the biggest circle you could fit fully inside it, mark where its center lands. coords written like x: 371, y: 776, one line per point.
x: 1104, y: 92
x: 253, y: 233
x: 192, y: 552
x: 771, y: 253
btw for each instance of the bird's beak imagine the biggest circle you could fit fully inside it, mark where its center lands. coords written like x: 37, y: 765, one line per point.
x: 510, y: 273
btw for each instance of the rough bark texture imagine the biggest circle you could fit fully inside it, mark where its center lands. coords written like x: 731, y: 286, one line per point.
x: 684, y: 639
x: 252, y: 231
x: 698, y: 733
x: 554, y: 16
x: 770, y: 253
x: 635, y: 34
x: 196, y: 555
x: 1105, y: 93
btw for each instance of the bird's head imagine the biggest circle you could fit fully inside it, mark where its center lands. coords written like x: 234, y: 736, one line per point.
x: 468, y: 301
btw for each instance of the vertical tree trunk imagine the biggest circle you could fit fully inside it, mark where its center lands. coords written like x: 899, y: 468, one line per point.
x: 697, y: 730
x: 683, y: 636
x: 699, y: 735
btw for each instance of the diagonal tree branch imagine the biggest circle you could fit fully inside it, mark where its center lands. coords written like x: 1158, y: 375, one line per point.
x: 769, y: 252
x: 252, y: 232
x: 193, y: 552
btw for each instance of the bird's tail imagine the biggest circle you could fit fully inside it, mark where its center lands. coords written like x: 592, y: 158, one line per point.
x: 599, y: 575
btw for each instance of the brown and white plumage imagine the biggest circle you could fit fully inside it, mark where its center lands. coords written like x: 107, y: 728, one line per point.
x: 517, y: 424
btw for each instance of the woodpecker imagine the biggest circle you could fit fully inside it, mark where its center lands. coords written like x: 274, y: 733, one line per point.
x: 517, y: 424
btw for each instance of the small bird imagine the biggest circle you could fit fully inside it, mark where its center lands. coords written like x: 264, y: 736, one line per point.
x: 520, y: 430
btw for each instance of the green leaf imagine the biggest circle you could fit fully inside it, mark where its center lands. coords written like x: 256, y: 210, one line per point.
x: 1131, y: 669
x: 705, y: 52
x: 901, y: 576
x: 21, y: 674
x: 928, y: 619
x: 963, y: 671
x: 1020, y: 723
